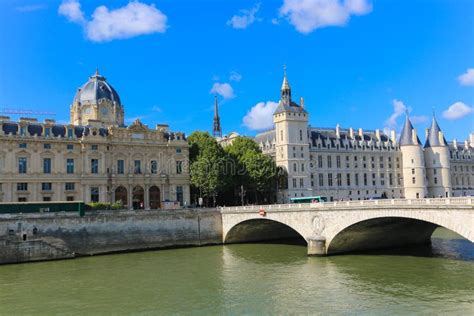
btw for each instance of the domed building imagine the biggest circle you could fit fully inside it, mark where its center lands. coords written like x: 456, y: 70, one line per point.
x: 95, y: 158
x: 97, y: 102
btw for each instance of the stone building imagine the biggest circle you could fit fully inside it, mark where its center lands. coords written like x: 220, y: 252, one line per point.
x: 357, y: 164
x: 95, y: 158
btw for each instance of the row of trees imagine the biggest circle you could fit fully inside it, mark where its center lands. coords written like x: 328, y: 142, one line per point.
x: 238, y: 173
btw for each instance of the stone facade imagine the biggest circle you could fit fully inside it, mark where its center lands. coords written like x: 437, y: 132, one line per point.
x: 95, y: 158
x: 357, y: 164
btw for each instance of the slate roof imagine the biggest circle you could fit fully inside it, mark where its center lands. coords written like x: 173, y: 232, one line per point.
x: 433, y: 136
x: 406, y: 135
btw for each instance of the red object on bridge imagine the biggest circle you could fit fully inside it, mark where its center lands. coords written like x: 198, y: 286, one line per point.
x: 262, y: 212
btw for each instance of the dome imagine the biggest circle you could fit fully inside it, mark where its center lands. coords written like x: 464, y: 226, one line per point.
x: 97, y: 88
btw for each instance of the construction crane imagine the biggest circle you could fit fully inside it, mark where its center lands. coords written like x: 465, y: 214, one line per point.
x: 7, y: 111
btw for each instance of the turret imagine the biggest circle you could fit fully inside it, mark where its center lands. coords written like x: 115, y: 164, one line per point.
x: 437, y: 162
x: 216, y: 130
x: 292, y: 145
x: 413, y: 161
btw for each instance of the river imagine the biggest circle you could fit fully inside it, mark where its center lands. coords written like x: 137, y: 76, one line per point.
x: 252, y: 279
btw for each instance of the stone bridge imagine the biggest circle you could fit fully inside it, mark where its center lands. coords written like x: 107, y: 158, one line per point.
x: 337, y: 227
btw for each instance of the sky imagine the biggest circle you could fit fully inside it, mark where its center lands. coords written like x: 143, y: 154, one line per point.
x: 357, y: 63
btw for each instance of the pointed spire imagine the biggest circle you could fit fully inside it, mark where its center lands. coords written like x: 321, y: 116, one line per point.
x: 216, y: 131
x: 285, y: 89
x: 406, y: 136
x: 434, y: 139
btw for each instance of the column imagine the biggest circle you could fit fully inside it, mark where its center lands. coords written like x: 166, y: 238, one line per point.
x: 317, y: 246
x: 130, y: 197
x: 147, y: 197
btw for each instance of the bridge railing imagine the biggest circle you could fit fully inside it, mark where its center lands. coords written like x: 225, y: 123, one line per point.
x: 354, y: 203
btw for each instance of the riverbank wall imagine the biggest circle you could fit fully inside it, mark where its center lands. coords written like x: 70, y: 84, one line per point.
x: 51, y: 236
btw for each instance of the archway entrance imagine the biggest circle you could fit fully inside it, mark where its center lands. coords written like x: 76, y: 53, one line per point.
x: 138, y: 198
x: 155, y: 198
x: 121, y: 195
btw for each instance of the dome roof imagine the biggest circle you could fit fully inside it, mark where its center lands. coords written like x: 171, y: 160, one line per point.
x: 95, y: 89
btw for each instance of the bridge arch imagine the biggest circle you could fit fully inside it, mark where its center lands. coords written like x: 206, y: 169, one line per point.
x: 261, y: 229
x: 366, y: 231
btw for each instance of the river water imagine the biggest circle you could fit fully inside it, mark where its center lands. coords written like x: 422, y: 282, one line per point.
x: 252, y: 279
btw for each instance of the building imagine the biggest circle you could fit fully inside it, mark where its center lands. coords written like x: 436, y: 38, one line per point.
x: 95, y: 158
x: 356, y: 164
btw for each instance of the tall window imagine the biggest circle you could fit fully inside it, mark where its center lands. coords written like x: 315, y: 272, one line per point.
x: 294, y: 167
x: 329, y: 162
x: 338, y: 161
x: 281, y: 135
x: 339, y: 179
x: 320, y: 161
x: 22, y: 164
x: 294, y: 183
x: 47, y: 165
x: 321, y: 180
x: 365, y: 178
x: 301, y: 135
x: 330, y: 179
x: 301, y: 183
x: 94, y: 194
x: 348, y: 178
x: 390, y: 179
x: 179, y: 194
x: 120, y: 166
x: 179, y: 167
x: 47, y: 132
x: 70, y: 132
x: 154, y: 167
x: 413, y: 180
x: 356, y: 179
x: 70, y: 166
x: 137, y: 167
x: 95, y: 166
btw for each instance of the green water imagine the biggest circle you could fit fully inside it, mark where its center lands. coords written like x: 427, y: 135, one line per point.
x: 257, y: 279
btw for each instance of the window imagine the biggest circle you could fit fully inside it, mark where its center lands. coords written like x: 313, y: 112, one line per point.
x: 70, y: 166
x: 120, y: 166
x: 435, y: 180
x: 95, y: 166
x: 320, y: 161
x: 95, y: 194
x: 70, y: 147
x: 178, y: 150
x: 22, y: 130
x: 434, y: 171
x: 137, y: 167
x: 338, y: 161
x: 47, y: 165
x: 154, y: 167
x: 69, y: 186
x: 321, y: 180
x: 46, y: 198
x: 22, y: 186
x: 302, y: 167
x: 301, y: 183
x: 399, y: 179
x: 348, y: 179
x: 22, y: 164
x: 390, y: 179
x: 47, y: 146
x: 294, y: 183
x: 382, y: 179
x: 70, y: 133
x: 329, y: 162
x: 46, y: 186
x: 69, y: 198
x: 47, y: 132
x: 294, y: 167
x: 339, y: 179
x: 22, y: 199
x: 412, y: 171
x: 179, y: 167
x: 22, y: 145
x: 179, y: 194
x: 301, y: 135
x: 330, y: 179
x: 281, y: 135
x: 94, y: 147
x: 365, y: 178
x: 413, y: 180
x: 356, y: 179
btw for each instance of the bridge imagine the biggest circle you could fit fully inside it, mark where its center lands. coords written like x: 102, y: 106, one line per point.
x: 347, y: 226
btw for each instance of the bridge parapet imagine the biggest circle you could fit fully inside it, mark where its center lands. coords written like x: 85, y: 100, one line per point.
x: 362, y: 204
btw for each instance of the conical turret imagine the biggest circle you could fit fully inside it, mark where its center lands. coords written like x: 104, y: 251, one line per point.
x: 408, y: 135
x: 435, y: 137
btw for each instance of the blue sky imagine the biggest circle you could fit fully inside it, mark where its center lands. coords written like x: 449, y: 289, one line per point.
x: 357, y: 63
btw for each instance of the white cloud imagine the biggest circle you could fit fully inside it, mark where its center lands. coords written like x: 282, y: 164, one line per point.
x: 309, y: 15
x: 71, y: 9
x: 31, y: 7
x: 235, y: 76
x: 398, y: 109
x: 225, y: 90
x: 260, y: 116
x: 457, y: 110
x: 419, y: 119
x: 244, y: 18
x: 467, y: 79
x: 156, y: 109
x: 132, y: 20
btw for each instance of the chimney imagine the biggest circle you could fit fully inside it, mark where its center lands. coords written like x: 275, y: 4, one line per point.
x: 466, y: 144
x: 351, y: 132
x: 393, y: 136
x: 414, y: 136
x: 455, y: 143
x: 427, y: 132
x: 377, y: 134
x: 471, y: 139
x: 302, y: 102
x: 49, y: 121
x: 441, y: 137
x: 338, y: 131
x: 361, y: 132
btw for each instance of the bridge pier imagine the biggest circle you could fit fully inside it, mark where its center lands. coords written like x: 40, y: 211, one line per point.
x: 317, y: 246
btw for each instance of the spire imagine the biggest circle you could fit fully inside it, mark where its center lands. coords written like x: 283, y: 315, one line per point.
x: 285, y: 89
x: 216, y: 131
x: 433, y: 137
x: 97, y: 75
x: 406, y: 136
